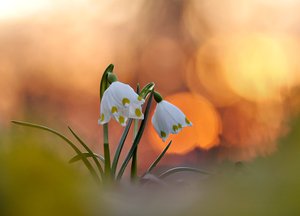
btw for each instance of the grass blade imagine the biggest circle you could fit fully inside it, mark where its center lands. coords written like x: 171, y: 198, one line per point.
x: 120, y: 147
x: 89, y: 151
x: 104, y: 83
x: 182, y: 169
x: 72, y: 145
x: 153, y: 165
x: 133, y: 172
x: 147, y: 89
x: 86, y: 154
x: 137, y: 138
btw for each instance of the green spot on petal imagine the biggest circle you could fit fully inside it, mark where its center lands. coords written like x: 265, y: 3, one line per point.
x: 121, y: 119
x: 163, y: 134
x: 179, y: 126
x: 102, y: 117
x: 187, y: 121
x: 138, y: 112
x: 175, y: 128
x: 139, y: 98
x: 125, y: 101
x: 114, y: 109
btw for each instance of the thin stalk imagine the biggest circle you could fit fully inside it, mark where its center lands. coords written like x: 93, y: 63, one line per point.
x: 134, y: 157
x: 153, y: 165
x: 133, y: 172
x: 136, y: 140
x: 107, y: 166
x: 120, y: 147
x: 89, y: 151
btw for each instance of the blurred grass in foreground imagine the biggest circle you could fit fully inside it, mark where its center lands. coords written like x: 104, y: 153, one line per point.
x: 266, y: 186
x: 35, y: 180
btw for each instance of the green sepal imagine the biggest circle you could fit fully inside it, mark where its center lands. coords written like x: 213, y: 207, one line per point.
x: 111, y: 77
x: 158, y: 98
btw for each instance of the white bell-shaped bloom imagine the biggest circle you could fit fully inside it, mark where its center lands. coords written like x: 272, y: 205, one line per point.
x: 120, y: 101
x: 168, y: 119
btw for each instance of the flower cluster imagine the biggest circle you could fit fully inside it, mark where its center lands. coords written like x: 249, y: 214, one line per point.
x: 121, y: 102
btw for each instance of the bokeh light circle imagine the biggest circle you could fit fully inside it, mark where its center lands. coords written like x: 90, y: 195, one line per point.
x: 259, y: 67
x: 205, y: 130
x: 207, y: 74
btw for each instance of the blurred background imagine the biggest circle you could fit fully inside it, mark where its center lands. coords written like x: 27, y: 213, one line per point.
x: 232, y: 66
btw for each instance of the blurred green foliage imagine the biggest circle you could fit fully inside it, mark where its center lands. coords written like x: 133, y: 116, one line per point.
x: 34, y: 180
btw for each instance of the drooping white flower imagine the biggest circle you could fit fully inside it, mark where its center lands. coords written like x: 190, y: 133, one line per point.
x: 120, y: 101
x: 168, y: 119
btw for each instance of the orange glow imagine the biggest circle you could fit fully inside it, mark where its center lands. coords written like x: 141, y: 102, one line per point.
x: 208, y: 73
x: 18, y: 8
x: 259, y: 67
x: 251, y: 129
x: 204, y: 132
x: 163, y: 59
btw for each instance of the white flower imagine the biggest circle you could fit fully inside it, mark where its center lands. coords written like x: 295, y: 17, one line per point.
x: 120, y: 101
x: 168, y: 119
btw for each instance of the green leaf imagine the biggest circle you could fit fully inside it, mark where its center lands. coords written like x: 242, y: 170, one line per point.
x: 182, y: 169
x: 89, y: 151
x: 120, y: 147
x: 86, y: 154
x: 72, y: 145
x: 137, y: 138
x: 104, y: 83
x: 147, y: 89
x: 153, y: 165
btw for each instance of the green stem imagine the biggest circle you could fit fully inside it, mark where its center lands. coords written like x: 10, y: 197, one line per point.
x: 119, y: 148
x: 134, y: 157
x: 107, y: 166
x: 136, y: 140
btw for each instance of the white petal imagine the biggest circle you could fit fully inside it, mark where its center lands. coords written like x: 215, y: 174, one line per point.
x: 160, y: 124
x: 104, y: 110
x: 168, y: 119
x: 121, y: 102
x: 170, y: 115
x: 104, y: 117
x: 123, y: 94
x: 135, y: 112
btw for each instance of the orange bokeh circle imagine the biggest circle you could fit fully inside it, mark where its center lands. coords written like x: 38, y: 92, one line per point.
x: 205, y: 130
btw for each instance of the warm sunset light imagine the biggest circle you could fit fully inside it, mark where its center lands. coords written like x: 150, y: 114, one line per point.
x: 259, y: 67
x: 207, y: 72
x: 204, y: 132
x: 18, y: 8
x: 92, y: 90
